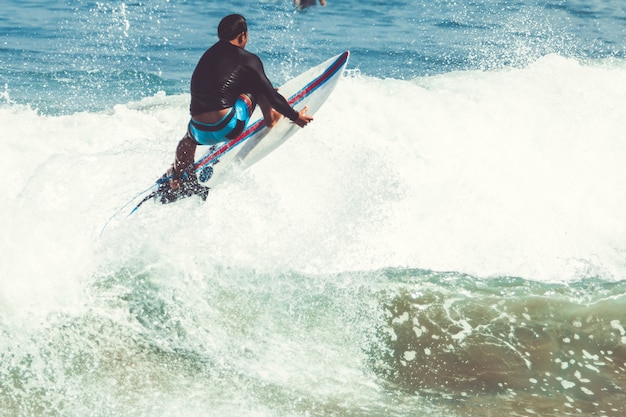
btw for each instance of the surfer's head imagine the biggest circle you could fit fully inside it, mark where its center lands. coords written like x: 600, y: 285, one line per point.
x: 231, y: 27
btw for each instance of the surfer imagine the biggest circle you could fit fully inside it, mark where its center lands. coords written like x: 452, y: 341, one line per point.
x: 306, y: 3
x: 226, y: 85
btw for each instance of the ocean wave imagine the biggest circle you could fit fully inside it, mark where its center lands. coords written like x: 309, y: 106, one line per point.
x: 512, y: 172
x: 150, y: 328
x: 65, y: 92
x: 457, y: 338
x: 319, y: 290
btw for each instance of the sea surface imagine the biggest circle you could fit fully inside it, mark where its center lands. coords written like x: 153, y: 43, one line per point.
x: 447, y: 238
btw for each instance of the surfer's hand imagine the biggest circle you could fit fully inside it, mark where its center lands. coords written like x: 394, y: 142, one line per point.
x: 303, y: 119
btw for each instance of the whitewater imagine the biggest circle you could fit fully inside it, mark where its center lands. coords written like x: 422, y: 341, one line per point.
x: 516, y: 172
x: 446, y: 238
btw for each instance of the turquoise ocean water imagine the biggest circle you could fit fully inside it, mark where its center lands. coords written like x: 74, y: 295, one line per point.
x: 446, y: 239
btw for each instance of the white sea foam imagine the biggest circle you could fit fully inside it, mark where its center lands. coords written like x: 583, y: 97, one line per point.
x: 516, y: 172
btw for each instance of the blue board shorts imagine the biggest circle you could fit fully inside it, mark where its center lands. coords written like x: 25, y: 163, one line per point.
x: 229, y: 127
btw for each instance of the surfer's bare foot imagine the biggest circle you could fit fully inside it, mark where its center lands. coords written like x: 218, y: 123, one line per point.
x: 174, y: 185
x: 272, y: 118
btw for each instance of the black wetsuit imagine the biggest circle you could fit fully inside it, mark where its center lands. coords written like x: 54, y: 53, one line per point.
x: 224, y: 72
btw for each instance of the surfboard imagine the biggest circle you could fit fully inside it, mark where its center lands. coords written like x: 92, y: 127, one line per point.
x: 311, y: 88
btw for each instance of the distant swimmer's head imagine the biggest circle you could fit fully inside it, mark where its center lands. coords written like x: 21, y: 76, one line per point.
x: 231, y: 27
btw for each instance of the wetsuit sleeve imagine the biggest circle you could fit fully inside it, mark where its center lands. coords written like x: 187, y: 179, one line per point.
x: 274, y: 98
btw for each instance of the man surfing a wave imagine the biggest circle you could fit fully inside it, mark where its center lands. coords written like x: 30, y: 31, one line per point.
x: 226, y: 85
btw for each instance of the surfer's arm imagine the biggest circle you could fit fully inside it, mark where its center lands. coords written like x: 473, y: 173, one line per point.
x: 278, y: 102
x: 273, y: 97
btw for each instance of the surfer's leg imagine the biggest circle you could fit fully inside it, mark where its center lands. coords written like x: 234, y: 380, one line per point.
x: 270, y: 116
x: 185, y: 152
